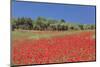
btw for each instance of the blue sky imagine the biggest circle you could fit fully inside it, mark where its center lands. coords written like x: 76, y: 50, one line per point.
x: 70, y: 13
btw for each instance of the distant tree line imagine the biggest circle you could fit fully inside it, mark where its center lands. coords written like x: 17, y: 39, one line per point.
x: 42, y: 23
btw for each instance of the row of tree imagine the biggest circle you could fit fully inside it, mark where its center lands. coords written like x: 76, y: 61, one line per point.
x: 47, y: 24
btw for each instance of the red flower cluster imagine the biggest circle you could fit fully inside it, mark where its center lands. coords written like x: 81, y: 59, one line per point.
x: 68, y: 48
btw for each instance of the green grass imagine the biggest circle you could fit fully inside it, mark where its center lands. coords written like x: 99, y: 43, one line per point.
x: 37, y: 36
x: 32, y: 35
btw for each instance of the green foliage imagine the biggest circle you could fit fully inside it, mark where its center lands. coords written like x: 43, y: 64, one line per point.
x: 22, y: 23
x: 42, y: 23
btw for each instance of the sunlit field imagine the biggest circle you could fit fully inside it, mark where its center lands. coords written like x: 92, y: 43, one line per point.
x: 43, y: 47
x: 51, y: 33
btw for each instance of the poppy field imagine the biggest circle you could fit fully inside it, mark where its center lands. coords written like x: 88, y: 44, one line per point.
x: 52, y: 33
x: 47, y: 47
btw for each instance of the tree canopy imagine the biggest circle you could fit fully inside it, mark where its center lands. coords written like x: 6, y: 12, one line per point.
x: 42, y: 23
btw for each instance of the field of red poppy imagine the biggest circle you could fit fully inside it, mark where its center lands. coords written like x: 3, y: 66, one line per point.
x: 44, y: 47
